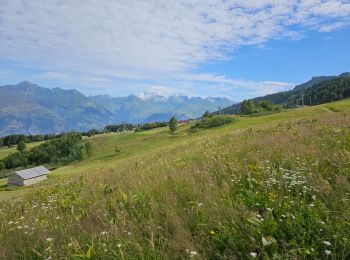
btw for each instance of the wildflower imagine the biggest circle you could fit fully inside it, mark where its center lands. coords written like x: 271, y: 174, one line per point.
x: 193, y: 253
x: 253, y: 254
x: 129, y: 233
x: 57, y: 218
x: 104, y: 233
x: 327, y: 243
x: 212, y: 232
x: 119, y: 245
x: 327, y: 252
x: 322, y: 222
x: 269, y: 209
x: 49, y: 239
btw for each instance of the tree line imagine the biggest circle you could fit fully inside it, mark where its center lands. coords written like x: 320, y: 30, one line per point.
x: 11, y: 140
x: 15, y: 139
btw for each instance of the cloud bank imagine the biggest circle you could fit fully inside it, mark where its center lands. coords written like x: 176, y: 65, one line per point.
x: 154, y: 39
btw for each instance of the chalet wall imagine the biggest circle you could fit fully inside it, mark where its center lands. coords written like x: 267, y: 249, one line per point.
x: 34, y: 180
x: 14, y: 179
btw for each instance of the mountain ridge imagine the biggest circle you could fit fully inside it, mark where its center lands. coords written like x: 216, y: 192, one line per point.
x: 28, y: 108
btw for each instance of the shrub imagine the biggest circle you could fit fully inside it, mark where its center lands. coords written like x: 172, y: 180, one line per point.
x: 215, y: 121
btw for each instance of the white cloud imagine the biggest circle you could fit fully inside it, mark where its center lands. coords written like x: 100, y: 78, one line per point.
x: 153, y: 39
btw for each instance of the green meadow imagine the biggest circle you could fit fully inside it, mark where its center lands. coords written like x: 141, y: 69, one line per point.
x: 269, y: 187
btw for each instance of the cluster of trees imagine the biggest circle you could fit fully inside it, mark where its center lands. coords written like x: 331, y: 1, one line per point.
x: 149, y: 126
x: 11, y: 140
x: 249, y: 107
x: 58, y: 151
x: 119, y: 128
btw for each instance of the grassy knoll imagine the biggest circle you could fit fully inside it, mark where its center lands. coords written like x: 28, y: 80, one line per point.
x: 275, y: 186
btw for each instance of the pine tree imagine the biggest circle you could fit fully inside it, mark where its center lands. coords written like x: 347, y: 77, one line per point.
x: 21, y: 146
x: 206, y: 114
x: 251, y: 107
x: 173, y: 124
x: 244, y: 108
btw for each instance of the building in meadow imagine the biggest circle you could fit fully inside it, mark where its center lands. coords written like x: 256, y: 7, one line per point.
x: 29, y: 176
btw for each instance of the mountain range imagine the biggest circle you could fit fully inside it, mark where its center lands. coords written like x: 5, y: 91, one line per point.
x: 27, y: 108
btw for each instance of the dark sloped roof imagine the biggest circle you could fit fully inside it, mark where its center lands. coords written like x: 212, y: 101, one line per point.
x: 32, y: 172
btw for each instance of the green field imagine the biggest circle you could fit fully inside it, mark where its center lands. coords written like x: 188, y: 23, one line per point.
x: 274, y: 186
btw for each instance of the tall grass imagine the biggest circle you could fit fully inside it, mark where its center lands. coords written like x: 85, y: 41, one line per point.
x: 269, y: 192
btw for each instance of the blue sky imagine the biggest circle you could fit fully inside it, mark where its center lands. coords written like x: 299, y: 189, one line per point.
x: 238, y: 49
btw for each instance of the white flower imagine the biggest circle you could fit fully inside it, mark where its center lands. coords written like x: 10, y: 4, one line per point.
x: 327, y: 252
x: 253, y: 254
x: 104, y: 233
x: 327, y: 243
x: 193, y: 253
x: 57, y: 218
x: 49, y: 239
x: 119, y: 245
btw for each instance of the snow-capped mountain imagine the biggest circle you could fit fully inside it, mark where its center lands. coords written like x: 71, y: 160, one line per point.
x: 159, y: 106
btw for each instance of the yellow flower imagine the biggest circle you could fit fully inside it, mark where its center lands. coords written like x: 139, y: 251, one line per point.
x: 212, y: 232
x: 272, y: 196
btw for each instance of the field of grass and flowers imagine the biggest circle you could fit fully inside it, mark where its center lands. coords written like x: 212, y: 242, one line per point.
x: 276, y: 186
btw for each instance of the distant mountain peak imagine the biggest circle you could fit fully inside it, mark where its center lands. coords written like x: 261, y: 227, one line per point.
x: 154, y: 95
x: 161, y: 93
x: 26, y: 83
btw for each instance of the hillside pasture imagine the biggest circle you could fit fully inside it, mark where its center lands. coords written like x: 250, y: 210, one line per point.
x: 274, y: 186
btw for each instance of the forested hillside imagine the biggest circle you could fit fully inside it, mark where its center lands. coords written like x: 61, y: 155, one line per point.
x: 318, y: 90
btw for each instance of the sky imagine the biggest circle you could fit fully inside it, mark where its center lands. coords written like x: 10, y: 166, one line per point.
x: 235, y: 48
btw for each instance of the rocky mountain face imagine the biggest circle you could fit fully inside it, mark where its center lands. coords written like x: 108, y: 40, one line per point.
x: 30, y: 109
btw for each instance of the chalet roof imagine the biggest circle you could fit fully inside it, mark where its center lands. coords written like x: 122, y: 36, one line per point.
x: 32, y: 172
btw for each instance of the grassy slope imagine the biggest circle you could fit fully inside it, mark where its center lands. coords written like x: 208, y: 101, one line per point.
x: 205, y: 192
